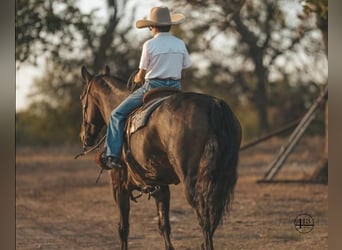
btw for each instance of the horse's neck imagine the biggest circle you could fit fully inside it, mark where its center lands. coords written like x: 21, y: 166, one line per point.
x: 110, y: 102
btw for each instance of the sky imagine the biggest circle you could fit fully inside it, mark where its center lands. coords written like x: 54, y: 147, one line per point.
x: 24, y: 79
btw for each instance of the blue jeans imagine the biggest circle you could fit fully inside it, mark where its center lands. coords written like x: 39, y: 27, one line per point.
x: 117, y: 120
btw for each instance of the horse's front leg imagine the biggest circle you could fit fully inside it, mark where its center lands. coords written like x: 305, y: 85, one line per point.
x: 162, y: 198
x: 124, y: 206
x: 121, y: 196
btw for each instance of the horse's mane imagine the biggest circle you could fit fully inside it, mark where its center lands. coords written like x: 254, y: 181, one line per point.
x: 112, y: 80
x: 117, y: 78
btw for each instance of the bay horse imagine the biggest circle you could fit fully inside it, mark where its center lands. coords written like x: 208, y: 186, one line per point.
x: 191, y: 138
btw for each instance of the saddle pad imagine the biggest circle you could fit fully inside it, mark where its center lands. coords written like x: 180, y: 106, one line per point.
x: 140, y: 117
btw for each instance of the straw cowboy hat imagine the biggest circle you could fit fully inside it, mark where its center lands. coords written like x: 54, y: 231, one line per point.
x: 160, y: 16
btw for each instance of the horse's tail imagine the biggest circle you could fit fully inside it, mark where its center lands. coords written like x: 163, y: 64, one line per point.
x: 218, y: 166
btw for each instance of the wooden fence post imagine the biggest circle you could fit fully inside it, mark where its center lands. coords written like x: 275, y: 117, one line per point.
x: 287, y: 148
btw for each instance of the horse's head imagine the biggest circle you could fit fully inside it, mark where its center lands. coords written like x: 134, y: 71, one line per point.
x: 92, y: 119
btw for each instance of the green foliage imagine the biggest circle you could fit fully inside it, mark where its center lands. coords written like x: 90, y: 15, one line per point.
x: 54, y: 126
x: 48, y: 28
x: 318, y: 6
x: 55, y: 116
x: 67, y: 39
x: 268, y: 48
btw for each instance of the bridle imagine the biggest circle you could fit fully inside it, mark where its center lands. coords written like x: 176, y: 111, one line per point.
x: 86, y: 125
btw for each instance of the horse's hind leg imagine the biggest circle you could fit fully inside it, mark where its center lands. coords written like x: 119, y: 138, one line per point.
x: 162, y: 198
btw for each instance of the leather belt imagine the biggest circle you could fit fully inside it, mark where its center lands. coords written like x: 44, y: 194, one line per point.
x: 164, y: 79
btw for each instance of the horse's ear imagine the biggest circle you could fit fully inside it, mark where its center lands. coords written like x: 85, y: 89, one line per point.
x: 107, y: 70
x: 85, y: 74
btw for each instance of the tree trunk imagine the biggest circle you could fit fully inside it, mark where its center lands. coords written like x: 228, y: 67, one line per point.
x: 100, y: 55
x: 260, y: 92
x: 256, y: 54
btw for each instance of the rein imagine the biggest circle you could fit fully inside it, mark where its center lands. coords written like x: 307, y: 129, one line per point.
x: 85, y: 124
x: 84, y: 152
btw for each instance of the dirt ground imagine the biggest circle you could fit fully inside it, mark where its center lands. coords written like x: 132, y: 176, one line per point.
x: 59, y: 206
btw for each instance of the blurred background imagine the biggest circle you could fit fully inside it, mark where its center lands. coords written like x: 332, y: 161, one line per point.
x: 267, y: 59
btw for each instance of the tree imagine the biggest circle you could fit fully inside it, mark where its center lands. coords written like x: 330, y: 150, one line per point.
x: 241, y: 51
x: 67, y: 39
x: 48, y: 28
x: 250, y: 46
